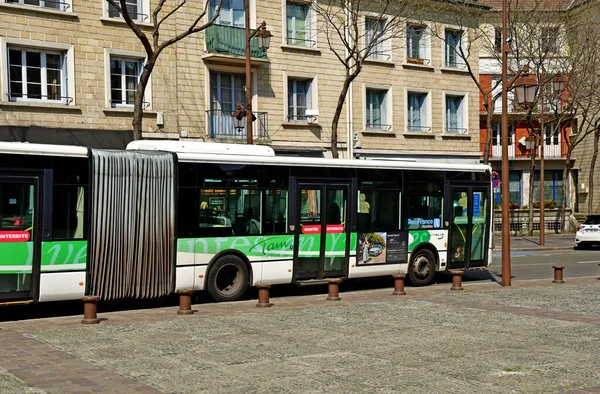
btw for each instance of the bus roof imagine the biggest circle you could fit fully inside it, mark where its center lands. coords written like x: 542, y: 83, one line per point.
x: 210, y: 148
x: 25, y: 148
x: 257, y: 154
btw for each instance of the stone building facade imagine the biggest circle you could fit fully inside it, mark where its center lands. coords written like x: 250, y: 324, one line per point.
x: 68, y: 69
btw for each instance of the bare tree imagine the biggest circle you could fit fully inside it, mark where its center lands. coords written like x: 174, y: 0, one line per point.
x: 580, y: 105
x: 352, y: 42
x: 154, y: 46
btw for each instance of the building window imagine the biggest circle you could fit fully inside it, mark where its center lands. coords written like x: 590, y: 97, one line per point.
x: 417, y: 112
x: 455, y: 116
x: 497, y: 39
x: 375, y: 39
x: 298, y: 25
x: 550, y: 39
x: 60, y: 5
x: 553, y: 186
x: 416, y: 44
x: 36, y: 75
x: 232, y: 12
x: 376, y: 111
x: 134, y: 7
x: 497, y: 134
x: 124, y: 76
x: 299, y: 98
x: 552, y: 133
x: 453, y: 48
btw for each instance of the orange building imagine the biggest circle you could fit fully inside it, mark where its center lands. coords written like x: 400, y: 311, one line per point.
x: 555, y: 150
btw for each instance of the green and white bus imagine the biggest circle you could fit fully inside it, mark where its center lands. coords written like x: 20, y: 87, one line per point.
x: 164, y: 216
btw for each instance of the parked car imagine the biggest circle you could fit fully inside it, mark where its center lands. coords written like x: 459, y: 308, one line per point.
x: 588, y: 233
x: 375, y: 250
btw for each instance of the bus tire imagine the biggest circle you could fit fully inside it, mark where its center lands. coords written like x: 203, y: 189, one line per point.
x: 228, y: 279
x: 421, y: 270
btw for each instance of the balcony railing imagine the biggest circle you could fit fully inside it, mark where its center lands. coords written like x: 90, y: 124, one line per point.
x: 231, y: 40
x: 497, y: 150
x: 510, y: 102
x: 418, y: 129
x: 221, y: 126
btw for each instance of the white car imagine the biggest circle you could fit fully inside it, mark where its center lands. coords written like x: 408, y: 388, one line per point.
x: 588, y: 233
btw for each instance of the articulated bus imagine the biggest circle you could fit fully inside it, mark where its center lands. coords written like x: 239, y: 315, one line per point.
x: 164, y: 216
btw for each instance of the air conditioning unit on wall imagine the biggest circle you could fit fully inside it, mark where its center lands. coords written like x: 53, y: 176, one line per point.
x: 312, y: 115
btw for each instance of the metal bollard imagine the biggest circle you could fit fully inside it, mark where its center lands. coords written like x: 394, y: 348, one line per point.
x: 263, y: 296
x: 558, y: 273
x: 399, y: 285
x: 333, y: 290
x: 89, y: 310
x: 456, y: 280
x: 185, y: 302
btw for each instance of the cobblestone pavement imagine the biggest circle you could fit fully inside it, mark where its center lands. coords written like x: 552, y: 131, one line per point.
x: 534, y: 337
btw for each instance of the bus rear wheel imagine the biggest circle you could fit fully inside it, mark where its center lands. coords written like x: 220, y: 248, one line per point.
x: 228, y: 279
x: 422, y: 268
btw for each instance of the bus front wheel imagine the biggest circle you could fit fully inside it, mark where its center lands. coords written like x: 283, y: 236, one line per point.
x: 228, y: 279
x: 422, y: 268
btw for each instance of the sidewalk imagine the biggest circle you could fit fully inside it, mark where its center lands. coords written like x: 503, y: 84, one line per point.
x: 532, y: 337
x: 526, y: 243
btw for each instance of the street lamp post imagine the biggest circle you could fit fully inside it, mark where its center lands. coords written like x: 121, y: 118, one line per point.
x: 264, y: 40
x: 506, y: 279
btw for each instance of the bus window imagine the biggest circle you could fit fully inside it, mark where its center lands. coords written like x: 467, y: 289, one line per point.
x: 68, y: 212
x: 422, y: 211
x: 275, y: 212
x: 235, y: 209
x: 377, y: 210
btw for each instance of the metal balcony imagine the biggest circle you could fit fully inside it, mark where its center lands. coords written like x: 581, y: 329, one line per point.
x: 221, y: 125
x: 230, y: 40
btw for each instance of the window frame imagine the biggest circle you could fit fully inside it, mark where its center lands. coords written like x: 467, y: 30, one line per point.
x: 464, y: 113
x: 550, y: 44
x: 67, y: 5
x: 386, y: 125
x: 125, y: 55
x: 425, y: 57
x: 428, y: 114
x: 142, y: 7
x: 382, y: 51
x: 67, y: 53
x: 459, y: 61
x: 309, y: 40
x: 311, y: 94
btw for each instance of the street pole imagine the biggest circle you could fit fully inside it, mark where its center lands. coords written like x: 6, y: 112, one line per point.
x: 249, y: 140
x: 542, y: 142
x: 506, y: 279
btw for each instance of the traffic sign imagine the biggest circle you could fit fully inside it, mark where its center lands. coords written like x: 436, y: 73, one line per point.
x: 495, y: 179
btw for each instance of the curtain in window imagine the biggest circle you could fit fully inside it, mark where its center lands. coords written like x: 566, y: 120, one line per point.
x: 416, y: 42
x: 416, y: 111
x: 298, y: 24
x: 373, y: 29
x: 454, y: 121
x: 298, y: 98
x: 452, y: 47
x: 376, y: 108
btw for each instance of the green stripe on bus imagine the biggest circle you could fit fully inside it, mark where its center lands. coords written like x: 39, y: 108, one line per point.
x: 272, y: 246
x: 56, y: 253
x: 63, y: 253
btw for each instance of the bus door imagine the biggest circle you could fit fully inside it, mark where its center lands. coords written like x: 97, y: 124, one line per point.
x: 468, y: 226
x: 321, y: 231
x: 20, y: 239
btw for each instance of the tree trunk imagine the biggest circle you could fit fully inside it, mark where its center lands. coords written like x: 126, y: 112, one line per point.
x: 488, y: 138
x: 338, y: 111
x: 591, y: 175
x: 531, y: 185
x: 138, y: 107
x: 563, y: 206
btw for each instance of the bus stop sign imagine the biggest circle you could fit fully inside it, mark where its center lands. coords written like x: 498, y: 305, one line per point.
x: 495, y: 179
